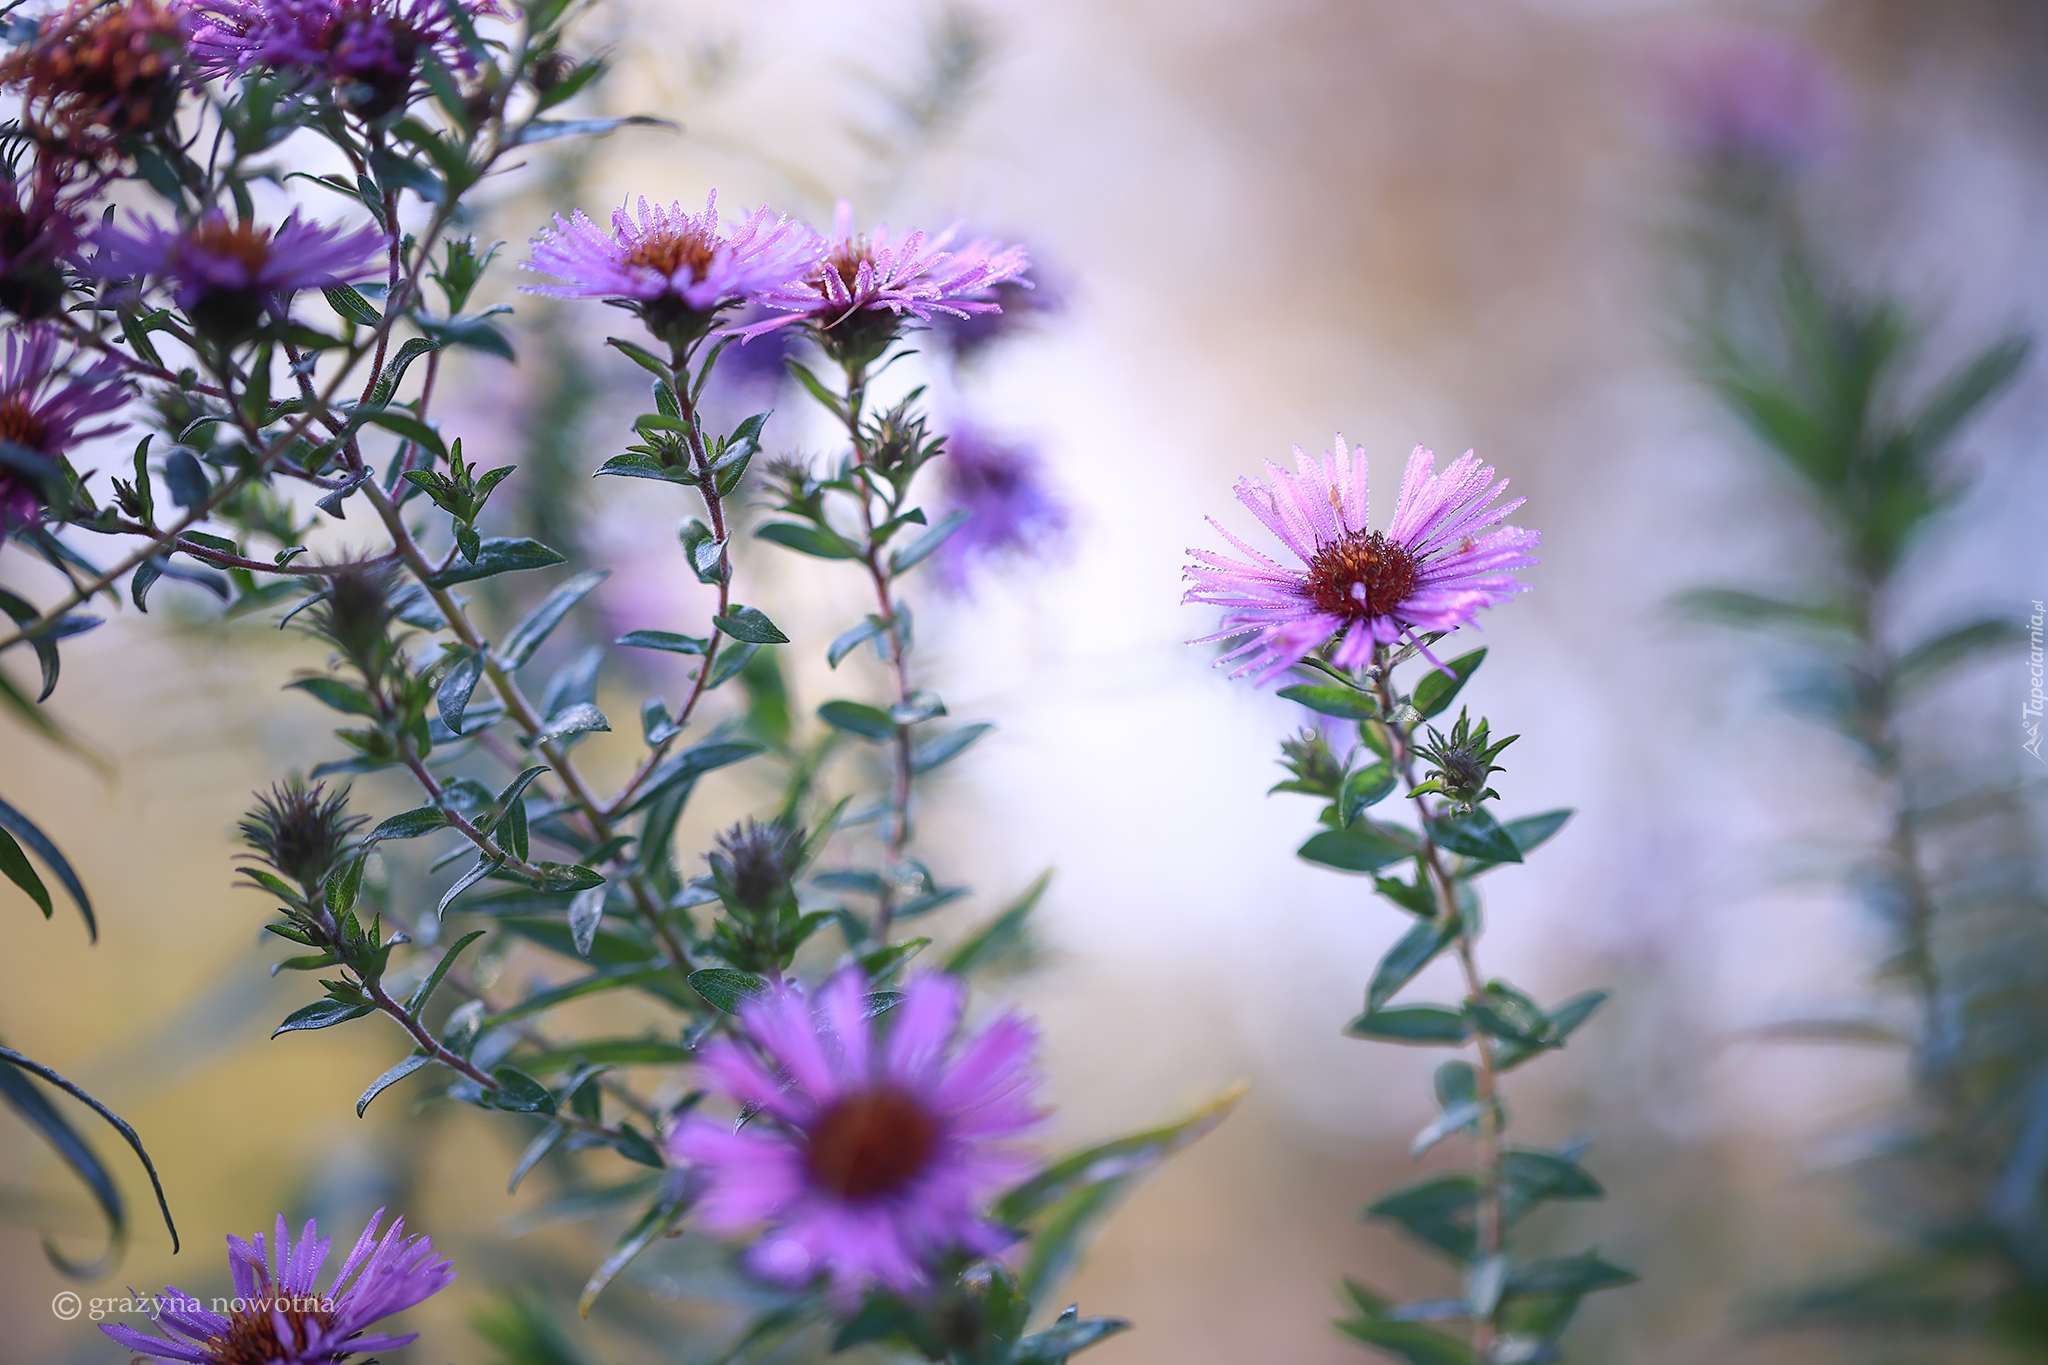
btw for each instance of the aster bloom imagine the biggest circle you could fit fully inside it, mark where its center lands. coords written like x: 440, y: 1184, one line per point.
x: 229, y: 273
x: 674, y: 268
x: 1431, y: 570
x: 1748, y: 93
x: 280, y: 1314
x: 43, y: 415
x: 876, y: 1155
x: 865, y: 285
x: 1012, y: 512
x: 38, y: 233
x: 95, y: 71
x: 368, y: 49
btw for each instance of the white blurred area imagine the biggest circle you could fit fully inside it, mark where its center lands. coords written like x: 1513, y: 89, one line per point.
x: 1446, y: 224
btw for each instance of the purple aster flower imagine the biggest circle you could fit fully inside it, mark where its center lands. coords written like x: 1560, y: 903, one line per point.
x: 368, y: 49
x: 871, y: 1156
x: 38, y: 233
x: 1431, y: 570
x: 674, y: 268
x: 229, y: 274
x: 856, y: 299
x: 1748, y: 93
x: 1011, y: 511
x: 279, y: 1314
x: 1018, y: 303
x: 42, y: 416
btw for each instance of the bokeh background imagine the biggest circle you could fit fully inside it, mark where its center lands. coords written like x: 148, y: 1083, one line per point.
x: 1461, y: 224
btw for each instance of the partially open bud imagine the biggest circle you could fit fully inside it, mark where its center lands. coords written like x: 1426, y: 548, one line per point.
x: 754, y: 865
x: 301, y: 831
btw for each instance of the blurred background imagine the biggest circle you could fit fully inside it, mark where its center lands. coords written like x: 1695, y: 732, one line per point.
x: 1469, y: 224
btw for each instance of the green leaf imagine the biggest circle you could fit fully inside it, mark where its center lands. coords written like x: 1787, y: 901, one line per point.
x: 1415, y: 950
x: 1428, y: 1025
x: 22, y: 1095
x: 726, y: 988
x: 481, y: 868
x: 1574, y: 1275
x: 402, y: 423
x: 1476, y: 835
x: 663, y: 639
x: 997, y: 937
x: 1364, y: 847
x: 13, y: 822
x: 128, y: 1134
x: 418, y: 999
x: 1409, y: 1341
x: 1529, y: 1177
x: 1071, y: 1335
x: 615, y: 1051
x: 1064, y: 1203
x: 849, y: 641
x: 519, y: 1093
x: 538, y: 624
x: 1347, y: 702
x: 349, y: 304
x: 650, y: 1225
x: 409, y: 824
x: 1436, y: 691
x: 940, y: 749
x: 1754, y: 611
x: 751, y: 625
x: 321, y: 1014
x: 15, y: 865
x: 579, y: 718
x: 1437, y: 1212
x: 1531, y: 832
x: 497, y: 554
x: 1364, y: 789
x: 809, y: 540
x: 920, y: 549
x: 1934, y: 656
x: 343, y: 697
x: 390, y: 1078
x: 857, y: 719
x: 451, y: 698
x: 546, y: 130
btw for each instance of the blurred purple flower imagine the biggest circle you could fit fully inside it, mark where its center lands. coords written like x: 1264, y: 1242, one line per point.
x: 674, y: 267
x: 228, y: 274
x: 38, y: 233
x: 1431, y: 570
x: 368, y: 48
x: 1747, y: 93
x: 1011, y: 512
x: 875, y: 1157
x: 1017, y: 304
x: 43, y: 417
x: 281, y: 1316
x: 912, y: 275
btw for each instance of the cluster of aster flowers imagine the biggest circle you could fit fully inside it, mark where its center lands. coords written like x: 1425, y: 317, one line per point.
x: 43, y: 416
x: 680, y: 270
x: 368, y: 50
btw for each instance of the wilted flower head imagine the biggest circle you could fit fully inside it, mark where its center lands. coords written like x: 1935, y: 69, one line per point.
x: 856, y: 299
x: 674, y: 268
x: 42, y: 416
x: 38, y: 233
x: 1747, y: 94
x: 1012, y: 512
x: 301, y: 831
x: 96, y: 71
x: 754, y: 863
x: 230, y: 274
x: 282, y: 1317
x: 876, y: 1156
x: 1431, y: 570
x: 368, y: 49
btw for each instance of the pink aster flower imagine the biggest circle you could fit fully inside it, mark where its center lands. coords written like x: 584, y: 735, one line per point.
x: 43, y: 416
x: 280, y: 1314
x: 673, y: 267
x: 863, y: 278
x: 1748, y: 93
x: 872, y: 1156
x: 1013, y: 512
x: 1431, y: 570
x: 229, y: 274
x: 369, y: 49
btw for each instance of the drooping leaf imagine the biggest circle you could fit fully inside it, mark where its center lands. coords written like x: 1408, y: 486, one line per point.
x: 534, y: 629
x: 128, y: 1134
x: 25, y: 830
x: 390, y: 1078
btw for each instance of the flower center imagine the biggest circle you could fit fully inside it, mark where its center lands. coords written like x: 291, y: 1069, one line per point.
x: 242, y: 242
x: 1384, y: 569
x: 21, y: 424
x: 872, y: 1144
x: 845, y: 262
x: 251, y: 1336
x: 673, y: 250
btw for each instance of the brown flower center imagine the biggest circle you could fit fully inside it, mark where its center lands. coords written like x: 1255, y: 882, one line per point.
x: 872, y: 1144
x: 672, y: 250
x: 20, y: 423
x: 241, y: 241
x: 845, y: 262
x: 251, y: 1336
x: 106, y: 67
x: 1383, y: 568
